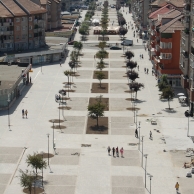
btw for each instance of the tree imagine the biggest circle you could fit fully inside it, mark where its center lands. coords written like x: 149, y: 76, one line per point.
x: 72, y: 66
x: 96, y: 110
x: 167, y: 93
x: 163, y: 82
x: 27, y: 180
x: 131, y: 65
x: 129, y: 55
x: 78, y: 46
x: 136, y: 87
x: 123, y: 31
x: 36, y: 161
x: 101, y: 55
x: 67, y: 73
x: 100, y: 76
x: 132, y: 75
x: 102, y: 45
x: 121, y: 21
x: 100, y: 65
x: 118, y: 6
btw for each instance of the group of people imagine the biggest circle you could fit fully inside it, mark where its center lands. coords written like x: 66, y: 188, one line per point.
x: 24, y: 113
x: 146, y: 70
x: 115, y: 151
x: 141, y: 56
x: 136, y: 134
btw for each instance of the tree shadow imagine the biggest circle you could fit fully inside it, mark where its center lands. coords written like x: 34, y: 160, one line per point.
x: 171, y: 110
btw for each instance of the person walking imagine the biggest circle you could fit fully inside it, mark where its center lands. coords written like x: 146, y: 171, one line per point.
x: 138, y: 67
x: 136, y: 133
x: 142, y: 56
x: 22, y: 113
x: 60, y: 64
x: 147, y: 70
x: 137, y: 40
x: 30, y: 80
x: 113, y: 152
x: 177, y: 187
x: 117, y: 151
x: 144, y: 70
x: 109, y: 149
x: 26, y: 113
x: 150, y: 135
x: 94, y: 57
x: 121, y: 151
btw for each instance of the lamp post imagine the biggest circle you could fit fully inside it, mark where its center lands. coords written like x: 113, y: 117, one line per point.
x: 53, y: 136
x: 41, y: 61
x: 142, y: 152
x: 188, y: 123
x: 8, y: 103
x: 145, y: 155
x: 133, y: 106
x: 139, y: 135
x: 59, y: 115
x: 150, y: 182
x: 48, y: 147
x: 42, y: 167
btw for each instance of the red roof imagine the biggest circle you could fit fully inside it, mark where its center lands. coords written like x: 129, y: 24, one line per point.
x: 162, y: 10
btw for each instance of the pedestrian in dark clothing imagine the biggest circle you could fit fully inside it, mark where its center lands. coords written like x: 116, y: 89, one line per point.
x: 23, y: 113
x: 30, y: 79
x: 136, y: 133
x: 138, y: 67
x: 60, y: 64
x: 117, y: 151
x: 150, y: 135
x: 137, y: 40
x: 147, y: 70
x: 109, y: 149
x: 142, y: 56
x: 113, y: 152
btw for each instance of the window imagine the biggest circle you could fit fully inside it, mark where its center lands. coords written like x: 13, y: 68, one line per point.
x: 30, y: 18
x: 165, y: 55
x: 23, y: 36
x: 18, y: 37
x: 30, y: 35
x: 17, y: 28
x: 166, y: 45
x: 23, y: 19
x: 17, y: 19
x: 30, y: 27
x: 170, y: 45
x: 23, y: 27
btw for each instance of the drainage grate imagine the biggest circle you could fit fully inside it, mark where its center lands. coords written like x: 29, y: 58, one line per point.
x: 85, y: 145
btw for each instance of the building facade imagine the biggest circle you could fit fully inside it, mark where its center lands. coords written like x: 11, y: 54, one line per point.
x: 22, y: 25
x: 187, y: 52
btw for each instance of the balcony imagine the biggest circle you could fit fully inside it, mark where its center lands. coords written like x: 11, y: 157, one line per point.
x: 185, y: 35
x: 184, y: 81
x: 165, y: 61
x: 192, y: 42
x: 192, y: 57
x: 6, y: 33
x: 156, y: 59
x: 187, y: 9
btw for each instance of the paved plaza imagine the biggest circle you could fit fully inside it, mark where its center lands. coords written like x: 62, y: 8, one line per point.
x: 81, y: 164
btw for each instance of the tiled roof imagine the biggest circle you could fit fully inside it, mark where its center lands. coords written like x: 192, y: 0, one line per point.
x: 159, y: 3
x: 162, y: 10
x: 178, y: 3
x: 43, y: 2
x: 172, y: 14
x: 4, y: 12
x: 13, y: 7
x: 31, y: 7
x: 173, y: 25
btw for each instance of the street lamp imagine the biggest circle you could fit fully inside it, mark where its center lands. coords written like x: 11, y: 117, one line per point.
x: 59, y: 115
x: 145, y: 155
x: 150, y: 181
x: 139, y: 136
x: 53, y: 135
x: 41, y: 61
x: 142, y: 152
x: 48, y: 147
x: 8, y: 103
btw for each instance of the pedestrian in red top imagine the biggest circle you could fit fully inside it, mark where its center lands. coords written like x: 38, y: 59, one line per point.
x: 121, y: 151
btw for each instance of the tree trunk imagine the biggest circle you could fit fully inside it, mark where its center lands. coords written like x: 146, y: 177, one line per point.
x: 136, y: 95
x: 97, y: 121
x: 100, y: 83
x: 169, y: 104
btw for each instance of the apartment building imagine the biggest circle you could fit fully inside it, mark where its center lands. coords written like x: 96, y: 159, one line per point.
x: 53, y: 15
x: 22, y: 25
x: 164, y: 44
x: 187, y: 51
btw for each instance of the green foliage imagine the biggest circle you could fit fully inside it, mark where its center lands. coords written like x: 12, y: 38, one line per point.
x: 168, y: 94
x: 129, y: 55
x: 101, y: 54
x: 100, y: 65
x: 78, y: 45
x: 67, y: 73
x: 131, y: 65
x: 96, y: 110
x: 136, y: 86
x: 123, y: 31
x: 132, y: 75
x: 121, y: 20
x: 27, y: 180
x: 102, y: 45
x: 36, y: 161
x: 100, y: 76
x: 163, y: 83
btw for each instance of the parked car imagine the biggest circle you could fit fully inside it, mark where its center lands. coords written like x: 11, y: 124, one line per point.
x: 115, y: 48
x: 127, y: 43
x: 71, y: 42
